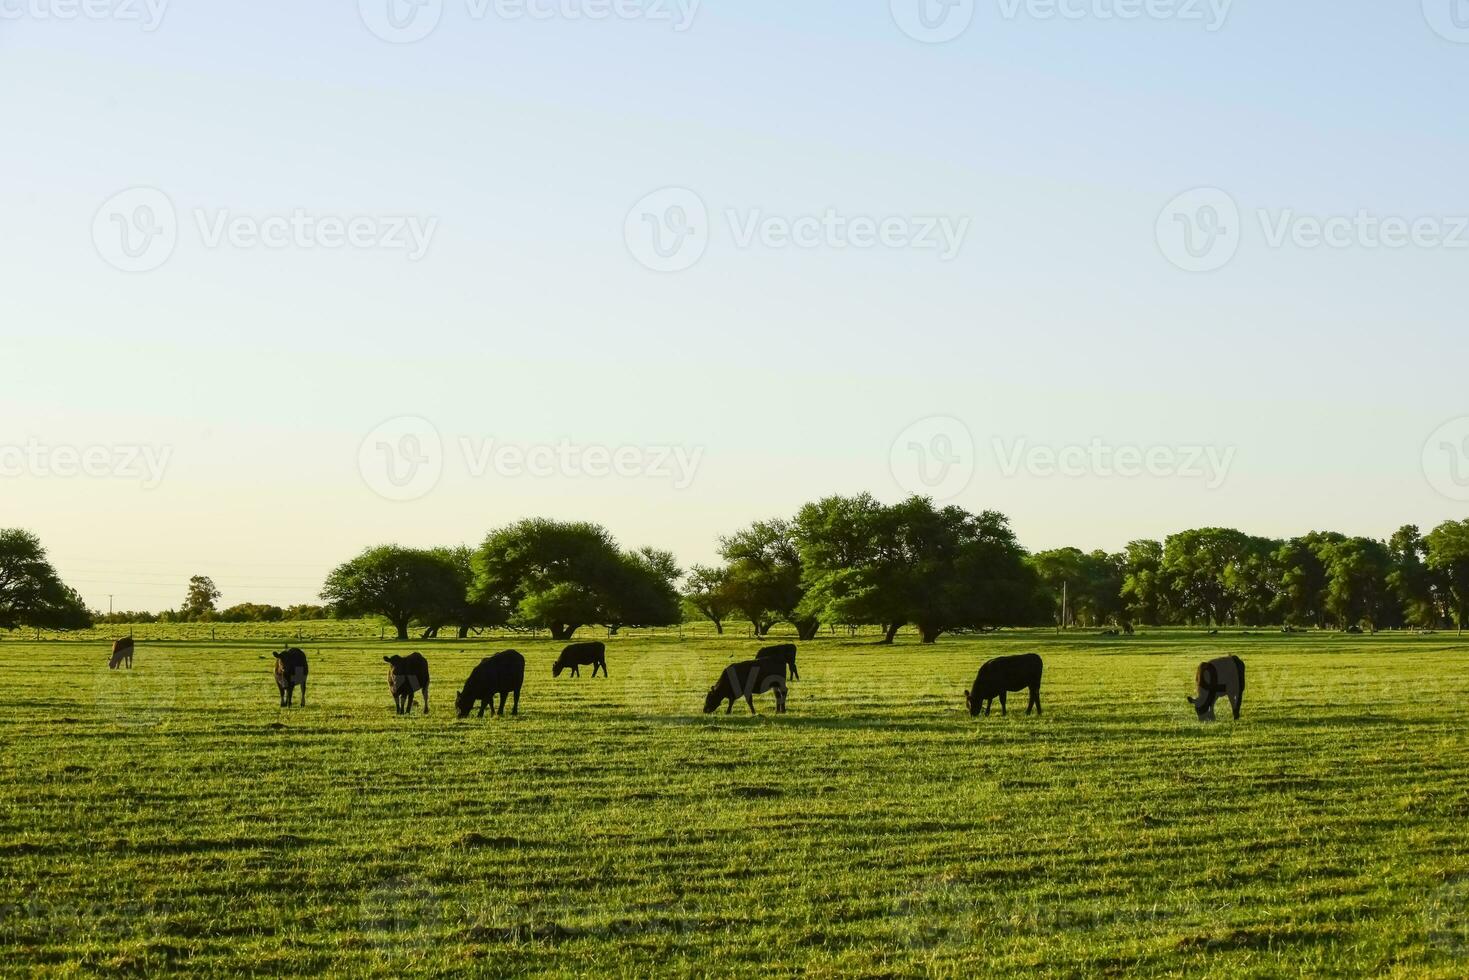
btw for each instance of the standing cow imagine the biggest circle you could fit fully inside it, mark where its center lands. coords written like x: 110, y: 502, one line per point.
x: 1003, y: 675
x: 1225, y: 676
x: 122, y: 654
x: 502, y: 674
x: 290, y: 671
x: 784, y: 654
x: 578, y: 655
x: 406, y: 677
x: 745, y: 680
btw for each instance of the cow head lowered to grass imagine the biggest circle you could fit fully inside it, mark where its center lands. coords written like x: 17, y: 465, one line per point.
x: 1225, y: 676
x: 1001, y: 676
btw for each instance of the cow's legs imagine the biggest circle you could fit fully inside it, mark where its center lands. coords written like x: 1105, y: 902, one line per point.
x: 575, y: 671
x: 303, y: 694
x: 1002, y: 704
x: 515, y: 708
x: 425, y: 699
x: 1035, y: 700
x: 485, y: 703
x: 1234, y: 702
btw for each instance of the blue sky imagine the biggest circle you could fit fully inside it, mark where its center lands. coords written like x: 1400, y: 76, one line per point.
x: 529, y: 320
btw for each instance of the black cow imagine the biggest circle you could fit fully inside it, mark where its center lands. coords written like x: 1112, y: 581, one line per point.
x: 122, y: 654
x: 406, y: 677
x: 1003, y: 675
x: 745, y: 680
x: 290, y: 670
x: 785, y: 654
x: 580, y: 655
x: 1225, y: 676
x: 502, y: 674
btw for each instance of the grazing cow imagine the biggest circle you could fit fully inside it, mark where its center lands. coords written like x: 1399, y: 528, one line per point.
x: 290, y: 671
x: 502, y: 674
x: 406, y: 677
x: 784, y: 654
x: 580, y: 655
x: 745, y: 680
x: 1225, y: 676
x: 1001, y: 676
x: 122, y: 654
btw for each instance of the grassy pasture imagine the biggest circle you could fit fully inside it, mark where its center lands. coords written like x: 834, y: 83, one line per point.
x: 175, y: 817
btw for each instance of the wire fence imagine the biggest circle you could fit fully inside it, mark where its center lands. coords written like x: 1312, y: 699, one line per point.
x: 368, y: 630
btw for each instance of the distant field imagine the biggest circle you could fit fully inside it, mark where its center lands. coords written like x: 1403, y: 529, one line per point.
x: 324, y: 630
x: 173, y: 816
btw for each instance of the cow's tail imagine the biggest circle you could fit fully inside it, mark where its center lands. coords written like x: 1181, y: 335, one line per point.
x: 1239, y: 667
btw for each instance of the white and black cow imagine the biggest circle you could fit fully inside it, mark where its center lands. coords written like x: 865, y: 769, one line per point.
x: 1224, y: 676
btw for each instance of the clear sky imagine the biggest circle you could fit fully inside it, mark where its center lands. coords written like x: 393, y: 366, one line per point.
x: 536, y: 307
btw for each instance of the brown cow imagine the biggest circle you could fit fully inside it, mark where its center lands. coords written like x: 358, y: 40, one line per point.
x: 406, y: 677
x: 290, y: 670
x: 122, y: 654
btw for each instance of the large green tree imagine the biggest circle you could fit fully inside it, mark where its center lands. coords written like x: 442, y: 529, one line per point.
x: 31, y: 592
x: 1448, y: 554
x: 852, y: 563
x: 1145, y: 595
x: 201, y: 600
x: 765, y: 577
x: 562, y: 576
x: 1301, y: 564
x: 707, y: 592
x: 1217, y: 574
x: 1090, y: 583
x: 1411, y: 580
x: 402, y: 585
x: 461, y: 607
x: 1357, y: 589
x: 940, y: 569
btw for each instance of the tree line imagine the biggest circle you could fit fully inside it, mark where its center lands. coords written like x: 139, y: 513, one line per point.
x: 1222, y: 576
x: 847, y: 561
x: 843, y: 561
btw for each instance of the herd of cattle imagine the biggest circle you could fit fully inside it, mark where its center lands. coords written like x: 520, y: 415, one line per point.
x: 503, y: 675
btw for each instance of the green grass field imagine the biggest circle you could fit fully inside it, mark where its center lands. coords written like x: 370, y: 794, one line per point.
x: 175, y: 817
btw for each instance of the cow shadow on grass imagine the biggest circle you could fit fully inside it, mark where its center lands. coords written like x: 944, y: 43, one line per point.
x: 824, y: 723
x: 1308, y: 721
